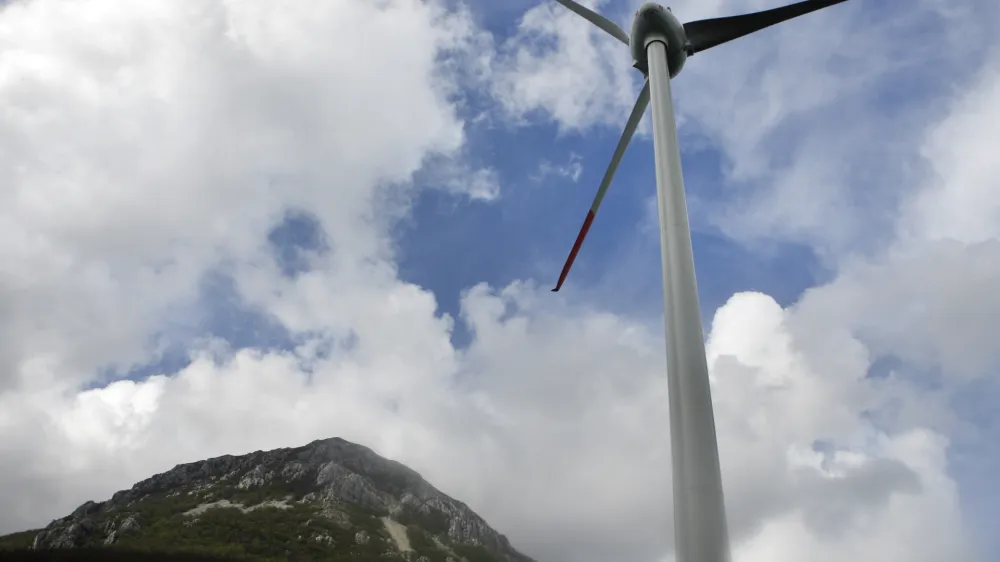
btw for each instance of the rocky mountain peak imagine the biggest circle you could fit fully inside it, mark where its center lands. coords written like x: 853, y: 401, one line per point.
x: 330, y: 499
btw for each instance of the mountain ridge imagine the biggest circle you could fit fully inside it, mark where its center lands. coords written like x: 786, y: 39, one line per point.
x: 328, y: 500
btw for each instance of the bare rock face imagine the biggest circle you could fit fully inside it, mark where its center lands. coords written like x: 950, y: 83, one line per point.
x: 116, y: 530
x: 333, y: 479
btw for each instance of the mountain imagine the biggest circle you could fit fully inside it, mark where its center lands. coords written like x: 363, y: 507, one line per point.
x: 329, y: 500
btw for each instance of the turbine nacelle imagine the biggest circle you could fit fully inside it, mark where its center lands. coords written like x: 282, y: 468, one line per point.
x: 652, y: 21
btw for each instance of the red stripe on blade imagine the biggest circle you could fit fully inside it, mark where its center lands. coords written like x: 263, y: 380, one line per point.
x: 576, y: 248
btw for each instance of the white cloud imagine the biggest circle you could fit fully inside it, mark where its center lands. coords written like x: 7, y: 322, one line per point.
x: 779, y: 389
x: 962, y: 200
x: 559, y: 64
x: 159, y: 139
x: 570, y: 170
x: 148, y: 143
x: 456, y: 176
x: 791, y: 106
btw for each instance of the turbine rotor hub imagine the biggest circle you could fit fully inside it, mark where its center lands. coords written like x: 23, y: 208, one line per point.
x: 653, y: 22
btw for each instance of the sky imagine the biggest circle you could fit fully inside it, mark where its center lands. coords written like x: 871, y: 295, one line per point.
x: 236, y: 226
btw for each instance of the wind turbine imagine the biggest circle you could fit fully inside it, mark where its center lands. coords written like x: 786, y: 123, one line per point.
x: 660, y: 45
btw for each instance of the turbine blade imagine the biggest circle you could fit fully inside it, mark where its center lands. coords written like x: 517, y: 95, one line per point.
x: 705, y: 34
x: 597, y: 19
x: 630, y: 126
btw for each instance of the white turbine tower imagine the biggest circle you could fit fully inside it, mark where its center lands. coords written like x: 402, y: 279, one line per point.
x: 660, y: 45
